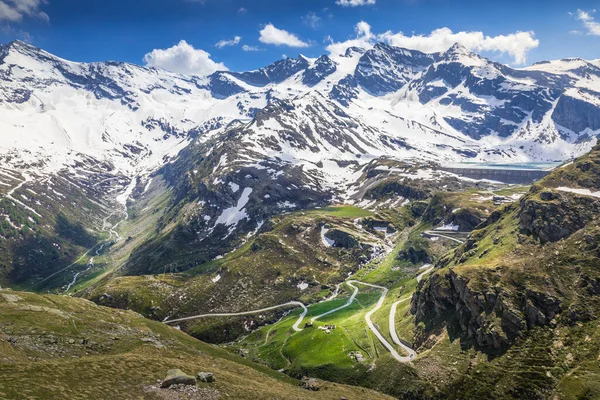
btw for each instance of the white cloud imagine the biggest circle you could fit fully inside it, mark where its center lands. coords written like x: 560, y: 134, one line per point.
x: 516, y: 45
x: 232, y: 42
x: 16, y: 10
x: 354, y: 3
x: 184, y: 59
x: 250, y: 48
x: 242, y: 10
x: 311, y: 19
x: 279, y: 37
x: 364, y: 38
x: 590, y: 24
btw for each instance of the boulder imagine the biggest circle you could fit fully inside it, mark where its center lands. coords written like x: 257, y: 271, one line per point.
x: 177, y: 377
x: 206, y: 377
x: 309, y: 383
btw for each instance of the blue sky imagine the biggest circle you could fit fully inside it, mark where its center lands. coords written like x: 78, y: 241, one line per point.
x: 128, y: 30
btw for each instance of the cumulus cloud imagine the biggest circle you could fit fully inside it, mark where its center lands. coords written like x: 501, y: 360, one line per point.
x: 591, y: 25
x: 354, y: 3
x: 516, y: 45
x: 17, y: 10
x: 184, y: 59
x: 364, y: 38
x: 279, y: 37
x: 231, y: 42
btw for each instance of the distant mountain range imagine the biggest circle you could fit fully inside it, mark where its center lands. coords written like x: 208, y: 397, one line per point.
x: 238, y: 147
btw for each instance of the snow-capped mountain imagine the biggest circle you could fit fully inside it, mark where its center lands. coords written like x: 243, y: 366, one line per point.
x: 134, y: 118
x: 235, y: 148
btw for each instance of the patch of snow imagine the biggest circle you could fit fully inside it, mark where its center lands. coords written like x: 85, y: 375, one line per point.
x: 324, y: 239
x: 286, y: 204
x: 585, y: 192
x: 216, y: 279
x: 233, y: 215
x: 234, y: 187
x: 302, y: 286
x: 447, y: 227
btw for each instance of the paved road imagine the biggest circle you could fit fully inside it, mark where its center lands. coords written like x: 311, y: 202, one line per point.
x: 422, y: 274
x: 376, y: 332
x: 392, y: 321
x: 350, y: 300
x: 436, y: 233
x: 392, y: 328
x: 296, y: 326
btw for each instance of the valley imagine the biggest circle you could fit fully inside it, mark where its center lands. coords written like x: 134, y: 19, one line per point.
x: 379, y: 223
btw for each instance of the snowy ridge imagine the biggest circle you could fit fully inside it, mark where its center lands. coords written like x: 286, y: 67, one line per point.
x: 383, y: 102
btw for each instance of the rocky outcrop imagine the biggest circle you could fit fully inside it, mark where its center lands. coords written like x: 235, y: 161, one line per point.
x: 491, y: 318
x: 556, y: 215
x: 396, y: 188
x: 414, y: 255
x: 177, y: 377
x: 310, y: 383
x: 465, y: 220
x: 206, y: 377
x: 342, y: 239
x: 576, y: 114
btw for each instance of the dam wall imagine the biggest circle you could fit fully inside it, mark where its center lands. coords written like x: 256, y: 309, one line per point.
x: 510, y: 176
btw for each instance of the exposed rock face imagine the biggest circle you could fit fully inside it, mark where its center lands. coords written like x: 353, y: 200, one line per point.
x: 310, y: 383
x: 557, y: 215
x: 177, y: 377
x: 322, y: 68
x: 491, y: 317
x: 206, y: 377
x: 576, y: 114
x: 396, y: 188
x: 342, y: 239
x: 414, y: 255
x: 465, y: 220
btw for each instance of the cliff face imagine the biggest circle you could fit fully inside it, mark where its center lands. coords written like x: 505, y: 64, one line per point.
x: 491, y: 318
x: 551, y: 216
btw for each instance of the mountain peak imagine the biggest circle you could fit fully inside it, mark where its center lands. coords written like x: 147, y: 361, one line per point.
x: 22, y: 47
x: 458, y: 53
x: 458, y: 48
x: 351, y: 51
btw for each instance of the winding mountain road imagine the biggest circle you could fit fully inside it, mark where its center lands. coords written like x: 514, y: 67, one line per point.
x: 392, y: 320
x: 436, y: 233
x: 370, y: 324
x: 296, y: 325
x: 428, y: 268
x: 350, y: 300
x: 392, y: 329
x: 376, y: 332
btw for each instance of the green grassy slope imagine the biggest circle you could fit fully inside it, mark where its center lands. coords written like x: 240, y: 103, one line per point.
x: 61, y: 347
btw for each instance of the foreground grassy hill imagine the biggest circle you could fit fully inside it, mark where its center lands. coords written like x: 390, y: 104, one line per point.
x: 61, y: 347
